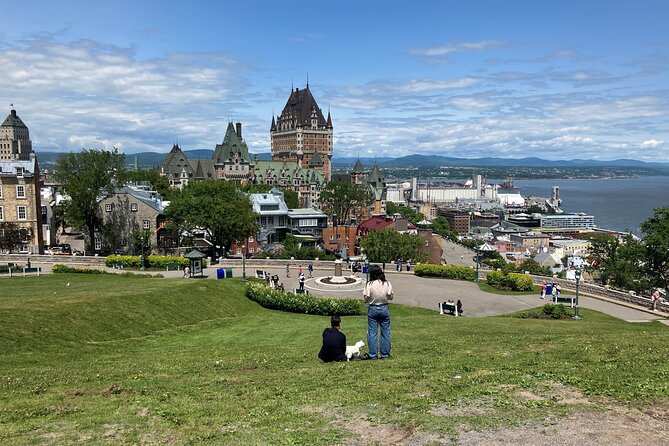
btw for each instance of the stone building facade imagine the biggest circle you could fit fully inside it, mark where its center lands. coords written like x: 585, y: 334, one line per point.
x: 15, y: 141
x: 132, y: 209
x: 20, y: 201
x: 302, y: 134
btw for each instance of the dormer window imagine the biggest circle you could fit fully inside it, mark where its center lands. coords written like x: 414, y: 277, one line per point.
x: 19, y: 172
x: 133, y: 207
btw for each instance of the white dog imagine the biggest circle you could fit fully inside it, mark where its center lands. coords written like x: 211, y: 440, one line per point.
x: 353, y: 351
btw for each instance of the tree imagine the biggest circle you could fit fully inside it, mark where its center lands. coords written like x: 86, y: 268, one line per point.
x: 386, y: 245
x: 86, y: 178
x: 345, y: 200
x: 656, y: 247
x: 158, y: 182
x: 10, y: 236
x: 218, y: 208
x: 406, y: 212
x: 291, y: 198
x: 533, y: 267
x: 618, y: 262
x: 440, y: 226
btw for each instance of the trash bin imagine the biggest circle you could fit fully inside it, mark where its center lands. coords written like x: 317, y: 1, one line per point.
x: 228, y: 273
x: 364, y: 268
x: 220, y: 273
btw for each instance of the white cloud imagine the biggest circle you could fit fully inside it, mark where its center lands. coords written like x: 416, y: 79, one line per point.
x: 651, y: 143
x: 451, y: 48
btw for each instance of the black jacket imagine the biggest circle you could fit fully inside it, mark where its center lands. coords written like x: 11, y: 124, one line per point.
x: 334, y: 346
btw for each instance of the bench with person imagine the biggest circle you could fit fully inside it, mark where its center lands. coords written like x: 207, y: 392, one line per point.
x: 451, y: 307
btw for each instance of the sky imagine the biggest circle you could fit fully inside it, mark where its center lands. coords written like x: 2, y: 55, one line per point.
x: 469, y: 79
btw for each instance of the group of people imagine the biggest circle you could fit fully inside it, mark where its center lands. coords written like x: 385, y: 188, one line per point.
x: 376, y: 294
x: 399, y: 264
x: 273, y: 281
x: 553, y: 289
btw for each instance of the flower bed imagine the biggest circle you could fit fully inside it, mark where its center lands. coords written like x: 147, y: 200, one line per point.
x: 301, y: 303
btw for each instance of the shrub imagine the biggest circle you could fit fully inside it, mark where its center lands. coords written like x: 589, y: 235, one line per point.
x: 60, y: 268
x: 446, y: 271
x: 157, y: 262
x: 555, y: 311
x: 301, y: 303
x: 496, y: 279
x: 520, y: 282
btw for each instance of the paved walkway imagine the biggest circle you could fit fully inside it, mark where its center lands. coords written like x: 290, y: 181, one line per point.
x: 428, y: 292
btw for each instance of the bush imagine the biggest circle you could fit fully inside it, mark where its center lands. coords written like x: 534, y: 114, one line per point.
x: 520, y: 282
x: 156, y: 262
x: 60, y: 268
x: 496, y: 279
x: 555, y: 311
x: 446, y: 271
x: 301, y: 303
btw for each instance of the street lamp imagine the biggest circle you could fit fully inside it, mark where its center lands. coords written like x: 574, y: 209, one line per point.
x: 244, y: 262
x: 478, y: 262
x: 578, y: 279
x: 142, y: 267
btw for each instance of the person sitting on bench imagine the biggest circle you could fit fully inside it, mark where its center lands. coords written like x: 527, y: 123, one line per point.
x: 448, y: 306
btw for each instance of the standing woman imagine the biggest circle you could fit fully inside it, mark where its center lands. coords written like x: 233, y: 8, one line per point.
x: 377, y: 292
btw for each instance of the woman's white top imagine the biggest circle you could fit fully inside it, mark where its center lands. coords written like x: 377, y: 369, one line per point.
x: 378, y: 292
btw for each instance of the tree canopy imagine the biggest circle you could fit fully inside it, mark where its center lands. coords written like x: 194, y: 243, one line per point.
x: 345, y: 200
x: 87, y: 177
x: 656, y: 247
x: 386, y: 245
x: 10, y: 236
x: 219, y: 208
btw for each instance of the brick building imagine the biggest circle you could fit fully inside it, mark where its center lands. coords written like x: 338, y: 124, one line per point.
x: 302, y: 134
x: 20, y: 201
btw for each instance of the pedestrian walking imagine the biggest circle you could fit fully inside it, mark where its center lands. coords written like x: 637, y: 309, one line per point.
x: 543, y: 289
x: 310, y: 268
x: 655, y: 299
x: 299, y: 270
x: 287, y: 269
x: 409, y: 265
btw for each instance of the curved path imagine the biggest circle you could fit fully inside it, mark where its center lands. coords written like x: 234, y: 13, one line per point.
x: 428, y: 292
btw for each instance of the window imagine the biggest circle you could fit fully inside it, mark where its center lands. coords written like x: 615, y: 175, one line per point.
x: 44, y: 211
x: 2, y: 214
x: 98, y: 243
x: 108, y: 207
x: 0, y: 187
x: 146, y: 224
x: 133, y: 207
x: 21, y: 212
x: 251, y: 239
x: 20, y: 191
x: 251, y: 250
x: 270, y: 220
x: 19, y: 172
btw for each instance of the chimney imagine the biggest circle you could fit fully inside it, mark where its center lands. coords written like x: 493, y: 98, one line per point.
x: 239, y: 130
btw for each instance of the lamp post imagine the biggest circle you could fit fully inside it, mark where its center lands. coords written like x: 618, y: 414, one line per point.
x: 142, y: 267
x: 478, y: 261
x: 244, y: 262
x: 578, y: 279
x: 334, y: 229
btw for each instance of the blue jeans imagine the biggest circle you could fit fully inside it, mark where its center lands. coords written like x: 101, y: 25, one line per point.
x: 378, y: 315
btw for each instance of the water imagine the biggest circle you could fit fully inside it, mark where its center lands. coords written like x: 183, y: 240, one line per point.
x: 618, y: 204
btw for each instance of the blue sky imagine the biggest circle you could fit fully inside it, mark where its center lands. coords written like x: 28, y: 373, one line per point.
x: 558, y: 80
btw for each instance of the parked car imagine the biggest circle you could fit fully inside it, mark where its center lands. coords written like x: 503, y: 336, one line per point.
x: 57, y: 251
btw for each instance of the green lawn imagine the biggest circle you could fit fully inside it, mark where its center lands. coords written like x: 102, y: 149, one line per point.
x: 129, y: 360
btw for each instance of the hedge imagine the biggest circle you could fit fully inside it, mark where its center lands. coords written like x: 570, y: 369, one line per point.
x: 301, y: 303
x: 445, y: 271
x: 157, y: 262
x: 60, y: 268
x: 511, y: 281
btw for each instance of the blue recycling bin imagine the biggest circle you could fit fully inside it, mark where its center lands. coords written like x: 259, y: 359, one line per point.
x: 220, y: 273
x: 364, y: 268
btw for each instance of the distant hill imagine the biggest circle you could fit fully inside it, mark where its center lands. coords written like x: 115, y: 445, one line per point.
x: 147, y: 160
x: 437, y: 160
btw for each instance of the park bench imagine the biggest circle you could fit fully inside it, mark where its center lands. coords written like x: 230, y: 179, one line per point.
x: 174, y: 266
x: 34, y: 269
x: 5, y: 270
x: 448, y: 307
x: 260, y: 274
x: 564, y: 299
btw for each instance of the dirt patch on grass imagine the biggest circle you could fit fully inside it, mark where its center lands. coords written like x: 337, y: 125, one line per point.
x: 618, y: 426
x: 476, y: 408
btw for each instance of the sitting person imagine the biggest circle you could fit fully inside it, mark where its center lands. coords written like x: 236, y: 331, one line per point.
x: 334, y: 342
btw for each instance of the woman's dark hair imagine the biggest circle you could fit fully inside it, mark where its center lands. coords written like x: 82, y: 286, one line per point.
x: 376, y: 273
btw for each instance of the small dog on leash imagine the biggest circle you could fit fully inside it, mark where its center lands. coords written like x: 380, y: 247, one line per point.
x: 353, y: 351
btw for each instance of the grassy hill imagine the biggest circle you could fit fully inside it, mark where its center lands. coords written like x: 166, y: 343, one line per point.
x: 127, y: 360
